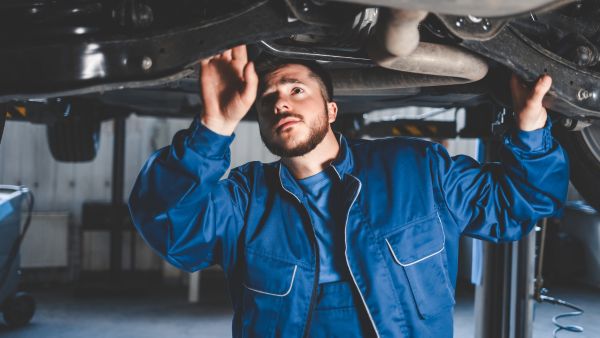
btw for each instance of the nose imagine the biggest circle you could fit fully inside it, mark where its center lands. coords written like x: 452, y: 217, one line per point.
x: 281, y: 105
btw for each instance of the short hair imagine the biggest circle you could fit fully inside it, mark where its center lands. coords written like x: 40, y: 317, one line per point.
x: 267, y: 65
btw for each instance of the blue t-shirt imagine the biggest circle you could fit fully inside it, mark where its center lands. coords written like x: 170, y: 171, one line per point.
x: 326, y: 210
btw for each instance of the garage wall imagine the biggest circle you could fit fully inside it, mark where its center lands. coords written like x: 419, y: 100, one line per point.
x: 63, y: 187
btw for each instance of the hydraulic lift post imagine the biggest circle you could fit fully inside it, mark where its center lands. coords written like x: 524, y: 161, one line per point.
x: 504, y: 300
x: 2, y: 121
x: 118, y: 173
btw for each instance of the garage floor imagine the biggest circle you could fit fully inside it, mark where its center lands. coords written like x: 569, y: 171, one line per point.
x: 159, y: 311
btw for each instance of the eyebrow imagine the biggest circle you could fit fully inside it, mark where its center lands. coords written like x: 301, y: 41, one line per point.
x: 287, y: 80
x: 283, y: 81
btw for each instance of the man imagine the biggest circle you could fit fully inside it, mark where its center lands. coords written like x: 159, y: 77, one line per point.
x: 339, y: 238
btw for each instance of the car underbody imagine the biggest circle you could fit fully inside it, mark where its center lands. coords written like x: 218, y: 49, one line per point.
x: 70, y: 64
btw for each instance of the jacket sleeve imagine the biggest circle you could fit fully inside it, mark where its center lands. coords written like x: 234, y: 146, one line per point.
x: 182, y: 208
x: 503, y: 201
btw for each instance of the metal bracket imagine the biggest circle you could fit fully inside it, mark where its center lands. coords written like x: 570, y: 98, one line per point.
x: 471, y: 27
x: 83, y: 64
x: 574, y: 125
x: 323, y: 13
x: 311, y: 54
x: 575, y: 92
x: 500, y: 125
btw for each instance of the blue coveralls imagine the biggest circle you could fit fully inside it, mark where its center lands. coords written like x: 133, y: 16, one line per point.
x: 405, y: 203
x: 339, y: 311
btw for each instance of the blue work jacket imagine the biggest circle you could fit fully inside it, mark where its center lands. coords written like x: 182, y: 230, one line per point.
x: 406, y: 204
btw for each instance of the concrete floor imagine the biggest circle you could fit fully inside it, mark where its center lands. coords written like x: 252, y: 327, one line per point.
x: 159, y: 311
x: 586, y: 298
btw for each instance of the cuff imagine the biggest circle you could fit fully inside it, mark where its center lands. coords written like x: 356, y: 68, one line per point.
x: 206, y: 142
x: 539, y: 140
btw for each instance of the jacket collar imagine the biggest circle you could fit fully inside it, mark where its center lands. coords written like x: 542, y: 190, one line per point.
x: 342, y: 165
x: 344, y: 162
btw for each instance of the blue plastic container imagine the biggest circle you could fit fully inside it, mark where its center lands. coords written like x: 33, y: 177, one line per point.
x: 18, y: 307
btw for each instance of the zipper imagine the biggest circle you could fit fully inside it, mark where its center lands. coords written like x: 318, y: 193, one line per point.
x: 348, y: 262
x: 317, y: 264
x: 315, y: 284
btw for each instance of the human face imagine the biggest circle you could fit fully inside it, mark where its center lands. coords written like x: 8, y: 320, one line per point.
x: 293, y: 115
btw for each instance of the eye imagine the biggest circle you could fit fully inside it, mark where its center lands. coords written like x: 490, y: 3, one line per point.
x: 297, y: 90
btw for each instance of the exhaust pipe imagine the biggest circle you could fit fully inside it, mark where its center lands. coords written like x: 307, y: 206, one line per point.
x: 396, y: 47
x: 399, y: 31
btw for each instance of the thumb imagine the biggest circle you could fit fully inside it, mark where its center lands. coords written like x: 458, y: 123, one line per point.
x: 542, y: 86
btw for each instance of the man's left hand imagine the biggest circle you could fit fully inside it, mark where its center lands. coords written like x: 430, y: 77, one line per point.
x: 527, y: 102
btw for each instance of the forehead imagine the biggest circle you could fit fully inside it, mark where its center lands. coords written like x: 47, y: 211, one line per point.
x: 291, y: 73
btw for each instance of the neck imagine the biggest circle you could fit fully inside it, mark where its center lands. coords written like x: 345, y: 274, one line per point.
x: 316, y: 160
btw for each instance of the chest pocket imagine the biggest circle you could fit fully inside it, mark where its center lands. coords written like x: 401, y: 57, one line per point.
x: 269, y: 276
x: 417, y: 249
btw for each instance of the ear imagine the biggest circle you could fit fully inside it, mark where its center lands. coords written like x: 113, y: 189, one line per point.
x: 332, y: 110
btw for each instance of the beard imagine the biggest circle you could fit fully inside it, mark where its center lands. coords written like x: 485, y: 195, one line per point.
x: 317, y: 133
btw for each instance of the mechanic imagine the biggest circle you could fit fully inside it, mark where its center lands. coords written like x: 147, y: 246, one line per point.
x: 339, y: 238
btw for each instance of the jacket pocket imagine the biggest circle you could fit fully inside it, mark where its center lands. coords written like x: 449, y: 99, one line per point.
x: 267, y: 282
x: 269, y: 276
x: 417, y: 249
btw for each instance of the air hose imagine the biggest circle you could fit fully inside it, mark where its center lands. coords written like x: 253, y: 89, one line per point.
x: 560, y: 327
x: 540, y: 293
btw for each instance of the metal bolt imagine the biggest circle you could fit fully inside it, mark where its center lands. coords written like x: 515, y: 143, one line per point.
x: 460, y: 22
x: 146, y: 63
x: 486, y: 25
x: 585, y: 56
x: 305, y: 7
x: 533, y: 17
x: 583, y: 94
x: 474, y: 19
x: 567, y: 123
x: 575, y: 124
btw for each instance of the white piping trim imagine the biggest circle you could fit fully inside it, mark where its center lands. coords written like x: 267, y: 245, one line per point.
x: 423, y: 258
x: 348, y: 262
x: 334, y: 169
x: 276, y: 294
x: 283, y: 186
x: 331, y: 165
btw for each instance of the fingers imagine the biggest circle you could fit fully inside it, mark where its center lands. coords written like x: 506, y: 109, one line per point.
x: 236, y: 53
x: 535, y: 94
x: 251, y: 82
x: 225, y: 55
x: 240, y: 53
x: 542, y: 86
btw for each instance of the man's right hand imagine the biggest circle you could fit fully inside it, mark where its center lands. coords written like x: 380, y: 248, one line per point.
x: 228, y: 84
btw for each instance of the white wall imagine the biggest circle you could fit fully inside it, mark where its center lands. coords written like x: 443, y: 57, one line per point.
x: 25, y: 159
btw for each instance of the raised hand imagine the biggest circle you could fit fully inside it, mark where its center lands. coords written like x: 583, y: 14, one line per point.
x: 527, y: 103
x: 228, y: 84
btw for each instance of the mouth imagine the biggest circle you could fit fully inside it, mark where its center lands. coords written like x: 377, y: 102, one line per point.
x: 285, y: 124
